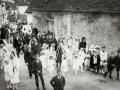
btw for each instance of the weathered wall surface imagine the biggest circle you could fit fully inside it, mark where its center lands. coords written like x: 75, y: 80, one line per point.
x: 98, y: 28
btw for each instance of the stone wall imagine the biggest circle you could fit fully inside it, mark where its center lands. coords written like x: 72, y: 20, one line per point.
x: 101, y: 29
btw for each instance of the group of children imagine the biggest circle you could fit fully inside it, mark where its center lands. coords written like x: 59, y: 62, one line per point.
x: 10, y: 64
x: 91, y: 58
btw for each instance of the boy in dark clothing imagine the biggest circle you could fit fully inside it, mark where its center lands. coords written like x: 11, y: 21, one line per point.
x: 117, y: 63
x: 110, y: 65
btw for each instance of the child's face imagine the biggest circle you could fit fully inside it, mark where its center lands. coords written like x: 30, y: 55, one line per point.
x: 103, y: 49
x: 7, y: 62
x: 50, y: 58
x: 76, y: 57
x: 94, y: 53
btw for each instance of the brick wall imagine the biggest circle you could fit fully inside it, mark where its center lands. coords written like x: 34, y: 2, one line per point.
x: 101, y: 29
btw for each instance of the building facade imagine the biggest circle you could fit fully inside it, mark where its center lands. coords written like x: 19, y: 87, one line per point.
x: 101, y: 29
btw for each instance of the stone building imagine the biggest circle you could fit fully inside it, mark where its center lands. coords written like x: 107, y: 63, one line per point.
x: 97, y: 20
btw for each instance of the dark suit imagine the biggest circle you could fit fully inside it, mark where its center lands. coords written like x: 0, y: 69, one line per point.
x: 58, y: 83
x: 29, y: 58
x: 2, y: 42
x: 17, y: 46
x: 110, y: 64
x: 117, y: 64
x: 36, y: 49
x: 59, y: 56
x: 38, y: 67
x: 98, y: 63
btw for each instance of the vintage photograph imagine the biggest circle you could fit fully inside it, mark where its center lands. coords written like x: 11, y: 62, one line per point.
x: 59, y: 44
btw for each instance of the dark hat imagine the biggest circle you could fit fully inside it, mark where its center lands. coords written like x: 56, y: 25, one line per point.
x: 103, y: 47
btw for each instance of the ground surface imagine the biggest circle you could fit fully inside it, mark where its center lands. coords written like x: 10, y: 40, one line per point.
x: 84, y: 81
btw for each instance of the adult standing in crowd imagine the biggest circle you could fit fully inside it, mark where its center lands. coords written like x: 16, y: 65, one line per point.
x: 36, y: 48
x: 17, y: 44
x: 59, y: 55
x: 29, y: 58
x: 83, y: 43
x: 98, y: 58
x: 58, y: 82
x: 35, y: 32
x: 3, y: 32
x: 37, y: 69
x: 117, y: 63
x: 110, y: 65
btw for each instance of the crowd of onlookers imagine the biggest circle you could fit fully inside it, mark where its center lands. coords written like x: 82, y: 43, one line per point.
x: 64, y: 53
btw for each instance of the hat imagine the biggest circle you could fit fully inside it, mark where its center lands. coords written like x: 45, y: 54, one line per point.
x: 50, y: 56
x: 103, y: 47
x: 93, y: 50
x: 97, y: 47
x: 76, y: 55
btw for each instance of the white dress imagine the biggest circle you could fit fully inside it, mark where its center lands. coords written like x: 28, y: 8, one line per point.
x: 69, y: 54
x: 15, y: 62
x: 87, y: 60
x: 50, y: 65
x: 44, y: 62
x: 1, y: 58
x: 8, y: 69
x: 64, y: 66
x: 75, y: 64
x: 15, y: 78
x: 81, y: 58
x: 103, y: 56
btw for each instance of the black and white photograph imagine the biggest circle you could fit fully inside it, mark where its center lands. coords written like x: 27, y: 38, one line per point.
x: 59, y: 44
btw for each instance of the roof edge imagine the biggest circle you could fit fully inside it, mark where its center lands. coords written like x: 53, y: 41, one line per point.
x: 34, y: 9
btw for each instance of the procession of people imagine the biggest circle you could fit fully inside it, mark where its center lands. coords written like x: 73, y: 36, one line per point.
x: 43, y: 54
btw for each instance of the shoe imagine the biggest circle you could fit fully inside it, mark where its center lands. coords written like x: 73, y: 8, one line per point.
x: 44, y: 88
x: 38, y: 88
x: 16, y: 88
x: 111, y: 77
x: 117, y: 78
x: 105, y: 75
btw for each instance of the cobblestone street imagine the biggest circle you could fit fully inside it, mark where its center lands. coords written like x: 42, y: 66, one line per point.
x: 84, y: 81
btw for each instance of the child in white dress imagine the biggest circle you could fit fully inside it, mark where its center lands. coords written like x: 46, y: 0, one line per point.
x: 81, y: 58
x: 103, y: 57
x: 6, y: 55
x: 64, y: 65
x: 43, y: 59
x: 69, y: 56
x: 8, y: 69
x: 51, y: 65
x: 15, y: 78
x: 75, y: 64
x: 52, y: 50
x: 87, y: 60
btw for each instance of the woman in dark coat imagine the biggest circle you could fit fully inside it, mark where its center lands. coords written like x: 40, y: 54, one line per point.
x: 3, y: 33
x: 83, y: 44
